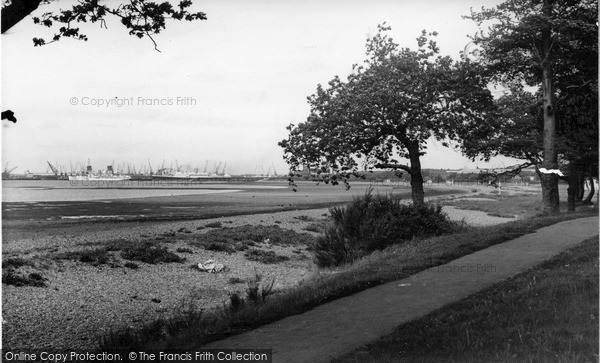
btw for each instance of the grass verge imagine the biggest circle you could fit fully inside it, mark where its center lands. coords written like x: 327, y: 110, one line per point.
x: 395, y: 262
x: 549, y: 313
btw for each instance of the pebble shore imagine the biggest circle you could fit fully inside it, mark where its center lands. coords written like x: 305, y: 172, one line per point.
x: 82, y: 302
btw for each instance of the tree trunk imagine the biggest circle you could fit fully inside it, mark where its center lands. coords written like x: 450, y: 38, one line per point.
x: 550, y: 197
x: 416, y: 178
x: 588, y: 199
x: 580, y: 186
x: 572, y: 190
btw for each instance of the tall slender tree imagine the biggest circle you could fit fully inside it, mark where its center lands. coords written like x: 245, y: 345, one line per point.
x: 526, y: 43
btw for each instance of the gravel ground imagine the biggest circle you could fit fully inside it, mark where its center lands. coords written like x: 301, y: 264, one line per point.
x: 82, y: 301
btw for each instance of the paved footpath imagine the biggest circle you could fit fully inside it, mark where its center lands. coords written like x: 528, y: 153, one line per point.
x: 340, y: 326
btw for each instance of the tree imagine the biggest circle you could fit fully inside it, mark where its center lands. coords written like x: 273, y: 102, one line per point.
x: 387, y: 109
x: 527, y: 42
x: 517, y: 132
x: 140, y: 17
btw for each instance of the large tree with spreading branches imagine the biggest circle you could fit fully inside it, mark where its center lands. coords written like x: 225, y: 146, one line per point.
x: 549, y: 44
x: 386, y: 110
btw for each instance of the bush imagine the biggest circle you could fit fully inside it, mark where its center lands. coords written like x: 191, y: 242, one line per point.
x: 214, y: 225
x: 132, y: 265
x: 219, y: 247
x: 150, y: 253
x: 372, y: 223
x: 11, y: 277
x: 268, y: 257
x: 240, y: 238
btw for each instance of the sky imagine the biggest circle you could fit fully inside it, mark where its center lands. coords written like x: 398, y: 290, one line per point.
x: 221, y: 90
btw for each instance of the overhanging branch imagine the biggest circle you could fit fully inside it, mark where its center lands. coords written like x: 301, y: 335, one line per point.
x: 393, y: 166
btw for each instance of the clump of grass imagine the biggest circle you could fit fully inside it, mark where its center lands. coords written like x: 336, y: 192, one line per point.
x: 304, y: 218
x: 235, y: 280
x: 219, y: 247
x: 214, y: 225
x: 150, y: 253
x: 256, y: 293
x: 268, y: 257
x: 241, y: 238
x: 15, y: 262
x: 251, y: 235
x: 372, y: 223
x: 132, y: 265
x: 10, y: 276
x: 317, y: 227
x: 186, y: 316
x: 95, y: 257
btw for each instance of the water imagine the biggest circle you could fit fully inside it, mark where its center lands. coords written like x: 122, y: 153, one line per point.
x: 32, y: 191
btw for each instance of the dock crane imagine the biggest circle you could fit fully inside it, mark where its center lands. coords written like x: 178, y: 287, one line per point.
x: 54, y: 170
x: 7, y: 172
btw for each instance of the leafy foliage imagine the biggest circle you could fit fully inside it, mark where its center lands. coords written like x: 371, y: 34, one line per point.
x: 140, y: 17
x: 374, y: 222
x: 387, y: 109
x: 551, y: 44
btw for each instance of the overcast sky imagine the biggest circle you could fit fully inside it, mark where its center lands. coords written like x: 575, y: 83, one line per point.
x: 241, y: 77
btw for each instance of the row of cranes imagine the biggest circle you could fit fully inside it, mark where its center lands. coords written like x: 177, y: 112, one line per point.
x: 271, y: 172
x: 144, y: 169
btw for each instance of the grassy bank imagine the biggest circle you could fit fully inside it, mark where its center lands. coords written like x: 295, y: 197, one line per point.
x: 547, y: 314
x: 190, y: 327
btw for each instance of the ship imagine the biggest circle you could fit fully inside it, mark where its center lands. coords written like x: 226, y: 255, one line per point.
x: 178, y: 175
x: 108, y: 175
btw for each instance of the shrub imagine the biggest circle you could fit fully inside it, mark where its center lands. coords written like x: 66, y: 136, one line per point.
x: 132, y: 265
x: 214, y: 225
x: 236, y: 280
x: 317, y: 227
x: 219, y: 247
x: 150, y: 253
x: 15, y: 262
x: 94, y: 257
x: 11, y: 277
x: 257, y: 293
x: 268, y: 257
x: 374, y: 222
x: 250, y: 235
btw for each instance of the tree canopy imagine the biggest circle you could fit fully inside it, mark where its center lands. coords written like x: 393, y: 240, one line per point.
x: 550, y: 44
x: 140, y: 17
x: 386, y: 110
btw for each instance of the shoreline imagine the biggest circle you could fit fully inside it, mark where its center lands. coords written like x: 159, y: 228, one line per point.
x: 83, y: 301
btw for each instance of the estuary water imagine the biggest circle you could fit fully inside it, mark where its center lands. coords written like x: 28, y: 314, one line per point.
x: 32, y: 191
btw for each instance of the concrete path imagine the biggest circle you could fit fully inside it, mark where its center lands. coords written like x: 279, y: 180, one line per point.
x: 340, y: 326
